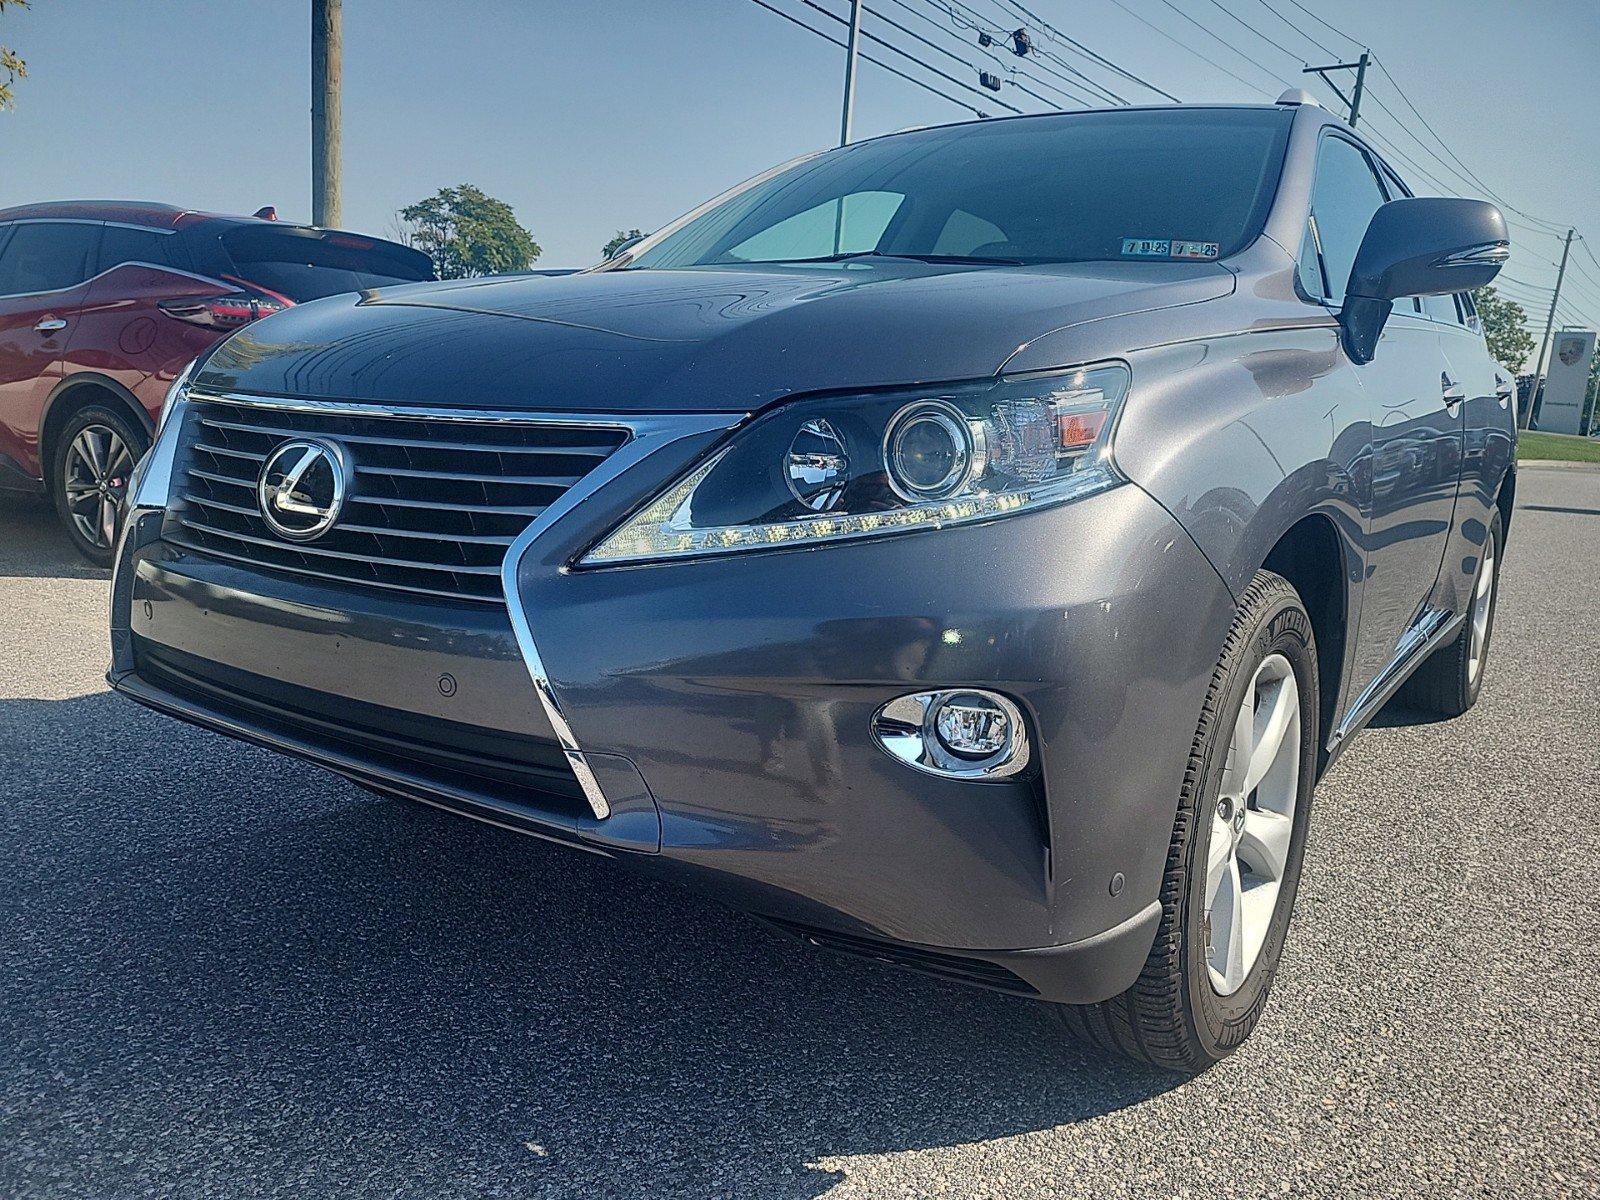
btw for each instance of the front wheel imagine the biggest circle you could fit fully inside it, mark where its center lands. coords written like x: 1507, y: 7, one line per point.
x: 1233, y: 866
x: 94, y: 458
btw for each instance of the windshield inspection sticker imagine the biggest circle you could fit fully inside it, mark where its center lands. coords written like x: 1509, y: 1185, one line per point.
x: 1147, y: 247
x: 1169, y: 248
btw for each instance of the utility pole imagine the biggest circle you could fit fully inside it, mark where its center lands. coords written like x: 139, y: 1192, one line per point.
x: 850, y: 73
x: 1549, y: 324
x: 1353, y: 100
x: 327, y: 87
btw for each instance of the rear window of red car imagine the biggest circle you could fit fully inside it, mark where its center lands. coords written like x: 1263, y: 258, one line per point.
x: 307, y: 264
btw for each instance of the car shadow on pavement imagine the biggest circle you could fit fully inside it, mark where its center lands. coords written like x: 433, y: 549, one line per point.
x: 226, y: 966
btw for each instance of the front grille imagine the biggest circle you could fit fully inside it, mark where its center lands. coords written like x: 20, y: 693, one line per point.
x: 433, y: 501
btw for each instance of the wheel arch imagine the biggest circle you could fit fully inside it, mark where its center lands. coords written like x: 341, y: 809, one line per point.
x: 1505, y: 500
x: 77, y: 392
x: 1312, y: 556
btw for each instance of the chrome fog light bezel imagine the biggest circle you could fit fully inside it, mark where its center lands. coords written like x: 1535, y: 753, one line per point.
x: 906, y: 728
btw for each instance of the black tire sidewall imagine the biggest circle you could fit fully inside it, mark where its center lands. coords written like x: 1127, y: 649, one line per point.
x: 132, y: 435
x: 1280, y: 626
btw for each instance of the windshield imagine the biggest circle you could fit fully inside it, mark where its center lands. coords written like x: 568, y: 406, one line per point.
x: 1132, y: 185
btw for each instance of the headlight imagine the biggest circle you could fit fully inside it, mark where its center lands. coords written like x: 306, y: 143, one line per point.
x: 823, y: 470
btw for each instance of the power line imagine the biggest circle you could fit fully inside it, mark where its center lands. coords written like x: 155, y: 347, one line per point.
x: 1470, y: 174
x: 1056, y: 34
x: 888, y: 45
x: 1231, y: 15
x: 828, y: 37
x: 963, y: 16
x: 1040, y: 55
x: 911, y: 33
x: 1215, y: 38
x: 1326, y: 49
x: 1325, y: 25
x: 1182, y: 45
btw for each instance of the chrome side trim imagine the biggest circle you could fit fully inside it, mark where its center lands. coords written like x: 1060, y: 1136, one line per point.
x: 1431, y: 629
x: 647, y: 435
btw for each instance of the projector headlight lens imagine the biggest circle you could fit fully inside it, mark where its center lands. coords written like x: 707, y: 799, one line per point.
x: 886, y: 462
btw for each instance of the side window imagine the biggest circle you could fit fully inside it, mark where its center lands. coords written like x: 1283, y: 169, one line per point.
x: 121, y: 244
x: 1440, y: 308
x: 1343, y: 198
x: 47, y: 256
x: 1469, y: 312
x: 845, y: 226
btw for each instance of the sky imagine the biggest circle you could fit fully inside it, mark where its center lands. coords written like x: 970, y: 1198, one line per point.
x: 590, y: 118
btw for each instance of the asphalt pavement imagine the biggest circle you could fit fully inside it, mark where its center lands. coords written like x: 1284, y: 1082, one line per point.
x: 223, y: 973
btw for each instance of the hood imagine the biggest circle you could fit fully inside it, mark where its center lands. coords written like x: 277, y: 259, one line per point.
x: 726, y: 340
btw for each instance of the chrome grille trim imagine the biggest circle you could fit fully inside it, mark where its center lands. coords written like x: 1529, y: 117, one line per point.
x: 436, y: 496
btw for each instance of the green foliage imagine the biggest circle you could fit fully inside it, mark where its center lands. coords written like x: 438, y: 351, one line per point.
x: 610, y: 247
x: 12, y: 68
x: 1505, y: 328
x: 468, y: 233
x: 1558, y: 447
x: 1591, y: 397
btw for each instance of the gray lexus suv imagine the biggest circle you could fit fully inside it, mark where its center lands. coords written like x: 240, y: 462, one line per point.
x: 964, y: 549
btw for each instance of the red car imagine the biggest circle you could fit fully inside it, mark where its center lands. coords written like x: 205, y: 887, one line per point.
x: 102, y: 303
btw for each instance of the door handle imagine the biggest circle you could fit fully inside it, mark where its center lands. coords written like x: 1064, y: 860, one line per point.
x: 1454, y: 393
x: 50, y: 325
x: 1503, y: 391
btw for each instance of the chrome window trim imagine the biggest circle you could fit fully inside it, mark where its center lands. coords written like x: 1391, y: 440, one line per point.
x: 84, y: 221
x: 647, y: 433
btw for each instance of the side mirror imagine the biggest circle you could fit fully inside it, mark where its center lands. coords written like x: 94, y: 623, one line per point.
x: 1429, y: 246
x: 624, y: 247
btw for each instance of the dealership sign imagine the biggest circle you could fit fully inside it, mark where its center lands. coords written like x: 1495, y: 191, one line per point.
x: 1561, y: 409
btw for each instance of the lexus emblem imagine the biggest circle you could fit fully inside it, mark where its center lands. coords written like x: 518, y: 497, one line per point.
x: 302, y: 487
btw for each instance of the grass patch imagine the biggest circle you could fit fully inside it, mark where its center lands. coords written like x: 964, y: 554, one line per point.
x: 1561, y: 446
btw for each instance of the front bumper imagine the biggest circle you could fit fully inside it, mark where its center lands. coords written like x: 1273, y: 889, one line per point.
x: 725, y: 707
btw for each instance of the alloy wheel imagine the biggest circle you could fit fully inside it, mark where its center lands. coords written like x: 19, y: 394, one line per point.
x: 1482, y: 606
x: 98, y: 465
x: 1252, y: 824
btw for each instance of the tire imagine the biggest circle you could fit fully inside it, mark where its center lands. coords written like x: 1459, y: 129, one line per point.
x: 87, y: 486
x: 1449, y: 681
x: 1184, y: 1013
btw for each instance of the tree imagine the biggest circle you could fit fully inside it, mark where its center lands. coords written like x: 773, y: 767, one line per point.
x: 12, y: 68
x: 467, y: 233
x: 1505, y: 326
x: 610, y: 247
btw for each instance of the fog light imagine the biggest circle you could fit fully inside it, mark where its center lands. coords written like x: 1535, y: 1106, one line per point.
x: 965, y: 734
x: 971, y: 725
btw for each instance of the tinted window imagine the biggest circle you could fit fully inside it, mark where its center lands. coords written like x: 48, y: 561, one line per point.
x: 120, y: 244
x: 1343, y: 198
x: 1131, y: 185
x: 306, y: 264
x: 43, y: 257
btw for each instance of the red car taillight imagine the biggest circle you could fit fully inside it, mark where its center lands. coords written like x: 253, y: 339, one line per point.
x: 223, y: 312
